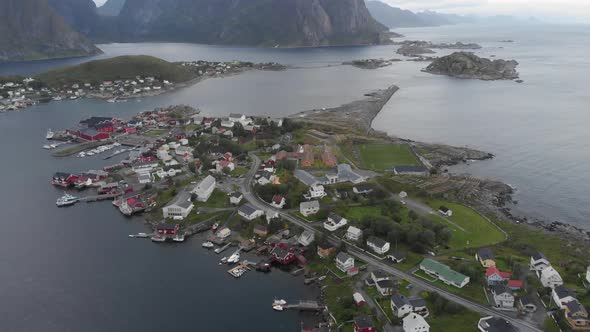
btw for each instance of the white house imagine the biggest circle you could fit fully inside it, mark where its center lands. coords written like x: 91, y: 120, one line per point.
x: 179, y: 207
x: 205, y: 188
x: 309, y: 208
x: 334, y: 222
x: 344, y: 262
x: 539, y: 262
x: 378, y: 245
x: 236, y: 117
x: 306, y: 238
x: 222, y: 164
x: 249, y: 212
x: 227, y: 124
x: 278, y: 201
x: 562, y: 295
x: 317, y: 191
x: 549, y: 277
x: 235, y: 198
x: 503, y: 297
x: 445, y: 211
x: 353, y: 233
x: 184, y: 151
x: 415, y: 323
x: 400, y: 305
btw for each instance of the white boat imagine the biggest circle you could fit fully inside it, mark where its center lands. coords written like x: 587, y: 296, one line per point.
x: 141, y: 235
x: 50, y: 134
x: 223, y: 260
x: 278, y: 307
x: 82, y: 154
x: 73, y: 98
x: 234, y: 258
x: 116, y: 144
x: 158, y: 238
x: 214, y: 227
x: 112, y: 100
x: 279, y: 302
x: 53, y: 146
x: 208, y: 245
x: 66, y: 200
x: 90, y: 153
x: 46, y: 146
x: 57, y: 98
x: 178, y: 238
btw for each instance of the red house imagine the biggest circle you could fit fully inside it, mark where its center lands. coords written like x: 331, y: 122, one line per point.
x: 515, y: 284
x: 64, y: 179
x: 282, y: 254
x: 105, y: 127
x: 130, y: 130
x: 364, y: 324
x: 167, y: 229
x: 91, y: 134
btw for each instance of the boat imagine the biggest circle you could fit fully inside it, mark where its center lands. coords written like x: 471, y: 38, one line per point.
x: 57, y: 98
x: 112, y: 100
x: 50, y: 134
x: 223, y: 260
x: 208, y: 245
x: 66, y: 200
x: 90, y: 153
x: 53, y: 146
x: 277, y: 307
x: 214, y: 227
x: 82, y: 154
x: 46, y: 146
x: 141, y: 235
x: 279, y: 302
x: 158, y: 238
x: 234, y: 258
x: 178, y: 238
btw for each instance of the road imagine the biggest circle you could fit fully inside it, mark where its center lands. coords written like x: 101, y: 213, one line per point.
x: 253, y: 199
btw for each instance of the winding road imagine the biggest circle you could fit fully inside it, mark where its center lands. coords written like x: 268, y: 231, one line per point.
x: 246, y: 188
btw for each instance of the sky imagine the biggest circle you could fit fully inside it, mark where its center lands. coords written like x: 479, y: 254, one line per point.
x: 552, y: 10
x: 575, y: 11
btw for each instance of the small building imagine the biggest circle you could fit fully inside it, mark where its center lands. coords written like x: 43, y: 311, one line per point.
x: 415, y: 323
x: 353, y: 233
x: 364, y: 324
x: 235, y: 198
x: 282, y: 255
x: 503, y: 297
x: 306, y: 238
x: 179, y: 208
x: 317, y: 191
x: 377, y: 245
x: 400, y: 305
x: 419, y: 306
x: 91, y: 134
x: 549, y: 277
x: 485, y: 257
x: 334, y: 222
x: 167, y: 229
x: 362, y: 189
x: 260, y: 230
x: 309, y: 208
x: 278, y: 201
x: 325, y: 251
x: 144, y: 178
x: 525, y: 303
x: 346, y: 174
x: 538, y: 262
x: 397, y: 256
x: 443, y: 273
x: 411, y: 170
x: 359, y: 300
x: 223, y: 233
x: 495, y: 276
x: 562, y: 295
x: 577, y: 316
x: 495, y: 324
x: 515, y: 285
x: 205, y: 188
x: 445, y: 211
x: 344, y: 262
x: 249, y: 212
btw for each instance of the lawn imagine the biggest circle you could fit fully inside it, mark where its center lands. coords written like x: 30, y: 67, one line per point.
x: 470, y: 291
x: 381, y: 157
x: 477, y: 232
x: 218, y: 199
x: 464, y: 321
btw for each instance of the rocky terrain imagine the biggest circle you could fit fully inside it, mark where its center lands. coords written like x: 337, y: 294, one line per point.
x: 428, y: 44
x: 470, y: 66
x: 413, y: 50
x: 371, y: 63
x: 31, y: 30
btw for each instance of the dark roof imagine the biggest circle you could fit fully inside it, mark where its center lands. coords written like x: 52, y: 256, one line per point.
x: 279, y: 252
x: 335, y: 217
x: 485, y: 253
x: 342, y: 256
x: 364, y: 188
x: 500, y: 289
x: 385, y: 283
x: 236, y: 194
x: 575, y: 307
x: 563, y: 292
x: 399, y: 300
x: 398, y: 254
x: 247, y: 209
x: 410, y: 169
x: 526, y: 300
x: 380, y: 274
x: 363, y: 322
x: 89, y: 131
x: 539, y: 255
x: 443, y: 208
x: 496, y: 324
x: 376, y: 241
x: 417, y: 302
x: 165, y: 226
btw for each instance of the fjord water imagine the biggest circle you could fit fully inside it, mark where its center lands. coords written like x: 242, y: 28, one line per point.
x: 75, y: 269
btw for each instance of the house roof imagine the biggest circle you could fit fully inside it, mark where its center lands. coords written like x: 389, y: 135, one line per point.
x: 414, y: 320
x: 354, y: 230
x: 399, y: 300
x: 410, y: 169
x: 305, y: 177
x: 398, y: 254
x: 165, y: 226
x: 206, y: 184
x: 183, y: 200
x: 485, y: 254
x: 417, y: 302
x: 377, y: 242
x: 495, y: 324
x: 380, y: 274
x: 538, y: 256
x: 236, y: 194
x: 247, y: 209
x: 515, y: 283
x: 310, y: 205
x: 526, y: 300
x: 493, y: 270
x: 385, y: 283
x: 363, y: 322
x: 443, y: 208
x: 345, y: 173
x: 335, y: 217
x: 562, y: 292
x: 443, y: 270
x: 500, y: 289
x: 364, y: 188
x: 235, y: 115
x: 342, y: 257
x: 575, y: 307
x: 280, y: 252
x: 277, y: 199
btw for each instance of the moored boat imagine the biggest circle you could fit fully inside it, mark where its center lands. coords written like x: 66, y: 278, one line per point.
x: 67, y: 200
x: 50, y: 134
x: 208, y: 245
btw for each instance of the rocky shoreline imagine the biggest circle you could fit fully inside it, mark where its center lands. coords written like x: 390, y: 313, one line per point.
x: 371, y: 63
x: 467, y: 65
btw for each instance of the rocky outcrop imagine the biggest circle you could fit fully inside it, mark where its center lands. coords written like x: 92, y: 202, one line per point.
x: 470, y: 66
x: 427, y: 44
x: 413, y: 50
x: 283, y: 23
x: 31, y: 30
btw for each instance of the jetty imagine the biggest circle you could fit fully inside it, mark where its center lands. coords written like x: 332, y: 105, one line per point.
x: 98, y: 198
x: 239, y: 270
x: 222, y: 249
x: 304, y: 306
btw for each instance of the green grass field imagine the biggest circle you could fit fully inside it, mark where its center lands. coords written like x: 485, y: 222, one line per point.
x: 477, y: 231
x: 381, y: 157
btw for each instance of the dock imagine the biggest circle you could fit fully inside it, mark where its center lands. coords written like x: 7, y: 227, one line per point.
x: 305, y: 306
x: 239, y: 270
x: 222, y: 249
x: 98, y: 198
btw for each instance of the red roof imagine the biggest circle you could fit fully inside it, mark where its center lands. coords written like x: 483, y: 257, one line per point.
x: 225, y: 163
x: 515, y: 283
x: 277, y: 199
x: 493, y: 270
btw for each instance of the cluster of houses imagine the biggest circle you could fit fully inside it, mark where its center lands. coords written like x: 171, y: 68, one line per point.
x: 182, y: 204
x: 209, y: 68
x: 17, y: 95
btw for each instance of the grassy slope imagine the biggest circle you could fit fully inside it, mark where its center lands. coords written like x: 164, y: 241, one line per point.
x: 123, y: 67
x: 382, y: 157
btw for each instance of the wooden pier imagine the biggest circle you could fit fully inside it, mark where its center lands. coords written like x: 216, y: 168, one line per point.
x: 98, y: 198
x: 239, y: 270
x: 305, y: 306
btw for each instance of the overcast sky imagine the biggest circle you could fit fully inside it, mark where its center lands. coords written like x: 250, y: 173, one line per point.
x: 560, y: 10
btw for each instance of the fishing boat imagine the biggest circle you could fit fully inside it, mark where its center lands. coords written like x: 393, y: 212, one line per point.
x: 66, y: 200
x: 279, y: 302
x: 223, y: 260
x: 214, y: 227
x: 50, y: 134
x: 46, y: 146
x: 278, y: 307
x: 158, y: 238
x: 208, y: 245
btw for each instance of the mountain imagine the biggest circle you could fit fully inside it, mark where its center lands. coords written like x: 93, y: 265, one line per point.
x: 31, y: 29
x: 394, y: 17
x: 111, y: 7
x: 82, y: 15
x: 251, y: 22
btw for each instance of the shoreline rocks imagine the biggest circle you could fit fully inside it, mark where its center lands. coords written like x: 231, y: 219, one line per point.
x: 371, y: 63
x: 430, y: 45
x: 470, y: 66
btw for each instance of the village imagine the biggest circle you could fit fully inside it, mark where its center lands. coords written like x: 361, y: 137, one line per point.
x: 265, y: 193
x: 17, y: 93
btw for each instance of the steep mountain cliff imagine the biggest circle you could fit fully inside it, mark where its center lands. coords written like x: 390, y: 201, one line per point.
x: 31, y: 29
x: 81, y: 15
x: 251, y: 22
x: 111, y: 7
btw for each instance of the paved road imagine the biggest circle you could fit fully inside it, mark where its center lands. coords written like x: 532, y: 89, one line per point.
x: 253, y: 199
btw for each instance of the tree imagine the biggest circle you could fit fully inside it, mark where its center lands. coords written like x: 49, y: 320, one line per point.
x: 413, y: 215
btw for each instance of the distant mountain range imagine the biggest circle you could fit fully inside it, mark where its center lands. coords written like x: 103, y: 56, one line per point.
x: 394, y: 17
x: 111, y: 7
x: 32, y: 30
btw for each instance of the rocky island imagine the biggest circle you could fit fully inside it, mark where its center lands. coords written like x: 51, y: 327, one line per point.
x: 470, y: 66
x: 428, y: 44
x: 370, y: 63
x: 413, y: 50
